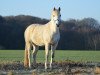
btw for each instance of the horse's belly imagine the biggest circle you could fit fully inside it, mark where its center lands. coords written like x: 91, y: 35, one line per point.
x: 38, y: 41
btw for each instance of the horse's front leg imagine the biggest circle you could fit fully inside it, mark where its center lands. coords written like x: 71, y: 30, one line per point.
x: 53, y: 47
x: 46, y: 55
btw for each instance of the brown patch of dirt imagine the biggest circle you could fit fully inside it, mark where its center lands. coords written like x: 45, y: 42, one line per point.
x: 97, y: 70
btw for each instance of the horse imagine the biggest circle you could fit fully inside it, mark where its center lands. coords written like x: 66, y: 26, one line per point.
x: 46, y: 35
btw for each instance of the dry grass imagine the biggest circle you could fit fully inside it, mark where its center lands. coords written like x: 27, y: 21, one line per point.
x: 10, y: 73
x: 34, y: 72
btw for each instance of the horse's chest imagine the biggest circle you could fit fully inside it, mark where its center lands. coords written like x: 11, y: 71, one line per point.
x: 55, y: 38
x: 51, y: 38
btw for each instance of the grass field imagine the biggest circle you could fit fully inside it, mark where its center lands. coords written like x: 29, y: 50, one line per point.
x: 61, y: 55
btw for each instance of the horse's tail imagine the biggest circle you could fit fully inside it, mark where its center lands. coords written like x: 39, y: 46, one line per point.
x: 26, y: 60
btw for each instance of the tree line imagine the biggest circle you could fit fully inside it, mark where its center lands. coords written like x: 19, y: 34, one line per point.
x: 75, y: 34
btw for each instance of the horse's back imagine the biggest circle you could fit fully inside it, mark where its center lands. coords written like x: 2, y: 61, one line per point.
x: 34, y: 33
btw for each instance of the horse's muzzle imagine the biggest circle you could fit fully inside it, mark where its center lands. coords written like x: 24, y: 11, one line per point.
x: 58, y: 25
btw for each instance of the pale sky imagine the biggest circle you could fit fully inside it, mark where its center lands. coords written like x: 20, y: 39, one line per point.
x: 76, y: 9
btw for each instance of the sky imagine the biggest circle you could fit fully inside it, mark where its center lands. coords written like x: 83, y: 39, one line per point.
x: 76, y: 9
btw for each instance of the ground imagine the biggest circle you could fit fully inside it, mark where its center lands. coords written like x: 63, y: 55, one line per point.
x: 59, y: 68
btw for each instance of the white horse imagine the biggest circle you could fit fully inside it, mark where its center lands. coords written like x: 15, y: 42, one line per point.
x: 43, y: 35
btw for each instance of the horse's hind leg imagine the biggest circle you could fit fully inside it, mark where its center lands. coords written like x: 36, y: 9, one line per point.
x: 27, y: 61
x: 35, y: 50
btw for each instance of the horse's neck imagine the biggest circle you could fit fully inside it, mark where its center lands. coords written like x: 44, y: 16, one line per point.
x: 53, y: 27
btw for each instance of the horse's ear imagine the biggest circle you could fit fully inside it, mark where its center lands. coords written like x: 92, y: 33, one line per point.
x: 54, y: 8
x: 59, y: 9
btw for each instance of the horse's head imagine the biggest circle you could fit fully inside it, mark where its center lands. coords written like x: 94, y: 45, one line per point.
x: 56, y: 16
